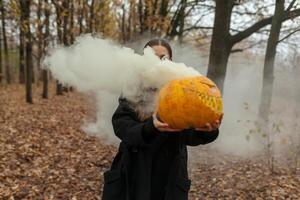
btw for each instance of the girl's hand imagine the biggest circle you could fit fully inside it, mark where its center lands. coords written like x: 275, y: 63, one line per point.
x: 162, y: 127
x: 211, y: 127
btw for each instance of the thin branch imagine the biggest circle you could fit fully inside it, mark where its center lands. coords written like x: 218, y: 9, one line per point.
x: 198, y: 27
x: 252, y: 13
x: 291, y: 5
x: 260, y: 24
x: 243, y: 49
x: 288, y: 35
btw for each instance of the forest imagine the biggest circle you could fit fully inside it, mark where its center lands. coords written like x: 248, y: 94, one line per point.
x: 49, y: 148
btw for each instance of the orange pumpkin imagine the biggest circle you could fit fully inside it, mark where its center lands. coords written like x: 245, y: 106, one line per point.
x: 189, y: 103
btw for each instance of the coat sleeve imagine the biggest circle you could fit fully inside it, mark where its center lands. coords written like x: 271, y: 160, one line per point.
x: 129, y: 129
x: 193, y: 137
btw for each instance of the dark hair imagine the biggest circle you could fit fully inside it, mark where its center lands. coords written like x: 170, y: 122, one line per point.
x: 160, y: 42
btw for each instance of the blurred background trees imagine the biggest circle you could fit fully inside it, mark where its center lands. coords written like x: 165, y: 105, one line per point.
x: 223, y: 27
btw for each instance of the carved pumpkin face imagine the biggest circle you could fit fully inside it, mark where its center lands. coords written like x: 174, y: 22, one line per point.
x: 189, y: 103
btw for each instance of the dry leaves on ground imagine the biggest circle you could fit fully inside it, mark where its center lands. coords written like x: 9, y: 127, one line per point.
x: 44, y: 154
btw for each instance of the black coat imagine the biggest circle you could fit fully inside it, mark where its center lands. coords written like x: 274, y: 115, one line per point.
x: 150, y: 165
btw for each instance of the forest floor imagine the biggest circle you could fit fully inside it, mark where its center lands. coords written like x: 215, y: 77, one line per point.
x: 44, y: 154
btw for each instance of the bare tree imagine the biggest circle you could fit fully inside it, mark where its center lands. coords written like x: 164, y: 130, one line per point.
x: 39, y: 35
x: 92, y: 17
x: 46, y: 43
x: 6, y: 56
x: 123, y: 23
x: 1, y: 69
x: 80, y: 15
x: 223, y: 42
x: 66, y: 4
x: 268, y: 75
x: 141, y: 15
x: 21, y: 51
x: 66, y: 12
x: 25, y: 11
x: 178, y: 20
x: 59, y: 11
x: 72, y: 30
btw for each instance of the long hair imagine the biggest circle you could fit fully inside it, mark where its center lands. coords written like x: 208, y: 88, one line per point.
x: 145, y: 106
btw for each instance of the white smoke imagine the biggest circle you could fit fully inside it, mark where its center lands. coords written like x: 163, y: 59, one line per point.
x: 107, y: 70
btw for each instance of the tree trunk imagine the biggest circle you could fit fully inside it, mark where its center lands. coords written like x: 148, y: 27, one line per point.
x: 86, y: 12
x: 221, y: 42
x: 80, y: 15
x: 123, y: 25
x: 72, y: 31
x: 40, y: 38
x: 164, y: 7
x: 1, y: 69
x: 177, y: 22
x: 46, y: 43
x: 133, y: 18
x: 65, y: 22
x: 21, y: 52
x: 6, y: 57
x: 146, y: 14
x: 297, y: 109
x: 59, y: 88
x: 141, y: 16
x: 66, y: 32
x: 25, y: 11
x: 58, y: 9
x: 268, y: 76
x: 130, y: 23
x: 182, y: 19
x: 92, y: 17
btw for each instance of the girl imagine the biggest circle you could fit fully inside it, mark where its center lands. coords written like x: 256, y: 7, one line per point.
x: 151, y: 163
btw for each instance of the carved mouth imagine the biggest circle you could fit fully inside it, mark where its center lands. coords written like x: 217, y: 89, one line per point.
x: 213, y: 102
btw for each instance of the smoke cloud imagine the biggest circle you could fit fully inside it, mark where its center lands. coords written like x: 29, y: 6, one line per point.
x: 106, y: 70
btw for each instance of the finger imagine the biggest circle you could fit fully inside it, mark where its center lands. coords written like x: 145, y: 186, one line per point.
x: 216, y: 124
x: 158, y: 119
x: 162, y: 123
x: 154, y: 116
x: 209, y: 127
x: 161, y: 126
